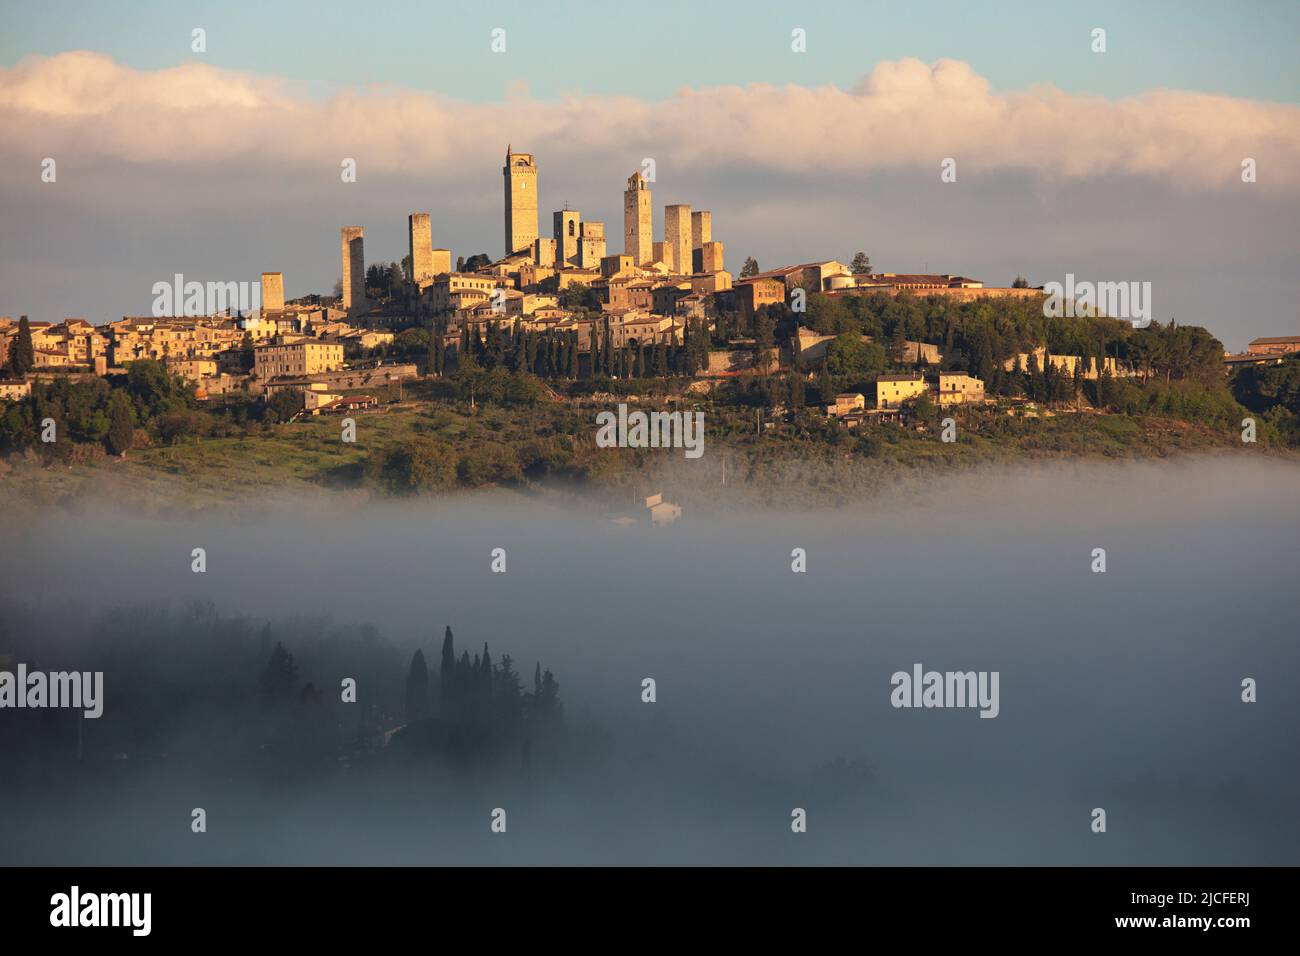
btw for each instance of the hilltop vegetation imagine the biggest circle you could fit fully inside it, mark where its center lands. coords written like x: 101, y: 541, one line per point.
x: 519, y: 411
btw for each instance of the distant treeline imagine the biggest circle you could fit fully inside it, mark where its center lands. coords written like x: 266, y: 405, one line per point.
x: 196, y: 687
x: 145, y: 405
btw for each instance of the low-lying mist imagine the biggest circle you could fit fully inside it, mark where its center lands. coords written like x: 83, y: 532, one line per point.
x: 1119, y: 690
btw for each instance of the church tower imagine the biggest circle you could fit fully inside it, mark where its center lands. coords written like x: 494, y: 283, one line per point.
x: 520, y: 175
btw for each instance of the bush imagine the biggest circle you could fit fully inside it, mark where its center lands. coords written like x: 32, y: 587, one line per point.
x: 541, y: 457
x: 285, y: 404
x: 182, y: 423
x: 416, y: 465
x: 491, y: 463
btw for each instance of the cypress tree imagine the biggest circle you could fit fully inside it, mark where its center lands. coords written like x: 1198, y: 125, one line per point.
x: 22, y: 359
x: 796, y: 391
x: 447, y: 674
x: 121, y: 423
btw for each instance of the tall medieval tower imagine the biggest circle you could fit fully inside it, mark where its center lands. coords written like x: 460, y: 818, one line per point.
x: 677, y: 239
x: 419, y: 231
x: 638, y: 237
x: 520, y: 175
x: 353, y: 239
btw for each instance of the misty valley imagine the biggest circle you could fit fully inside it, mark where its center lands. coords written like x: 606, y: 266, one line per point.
x: 367, y: 683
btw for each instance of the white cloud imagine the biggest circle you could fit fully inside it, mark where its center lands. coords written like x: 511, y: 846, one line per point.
x: 902, y: 115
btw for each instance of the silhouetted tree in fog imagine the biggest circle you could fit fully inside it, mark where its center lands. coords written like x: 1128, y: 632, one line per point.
x: 280, y: 675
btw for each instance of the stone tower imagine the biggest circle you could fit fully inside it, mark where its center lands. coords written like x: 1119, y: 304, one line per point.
x: 354, y: 267
x: 591, y: 249
x: 420, y: 237
x: 568, y: 236
x: 711, y: 258
x: 272, y: 291
x: 520, y: 175
x: 701, y: 234
x: 677, y: 239
x: 638, y: 234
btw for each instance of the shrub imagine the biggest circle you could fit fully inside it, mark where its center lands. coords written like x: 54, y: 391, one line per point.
x: 415, y: 465
x: 490, y: 463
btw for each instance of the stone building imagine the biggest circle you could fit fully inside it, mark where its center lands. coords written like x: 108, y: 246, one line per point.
x: 352, y: 239
x: 638, y: 233
x: 711, y: 259
x: 14, y: 391
x: 893, y: 390
x: 958, y: 388
x: 701, y: 234
x: 544, y: 251
x: 813, y: 276
x: 611, y: 266
x: 460, y: 290
x: 710, y: 283
x: 755, y: 292
x: 591, y: 245
x: 298, y: 358
x: 419, y: 232
x: 272, y: 291
x: 677, y: 239
x: 847, y: 403
x: 578, y: 243
x: 567, y: 225
x: 520, y: 180
x: 1274, y: 345
x: 440, y: 261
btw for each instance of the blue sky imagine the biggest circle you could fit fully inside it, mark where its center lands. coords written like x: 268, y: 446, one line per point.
x: 560, y: 47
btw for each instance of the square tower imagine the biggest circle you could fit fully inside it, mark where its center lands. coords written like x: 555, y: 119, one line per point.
x: 544, y: 252
x: 701, y: 235
x: 420, y: 237
x: 272, y: 292
x: 520, y: 176
x: 568, y: 233
x: 677, y: 238
x: 711, y: 258
x: 638, y: 241
x: 440, y: 262
x: 591, y: 248
x: 354, y: 267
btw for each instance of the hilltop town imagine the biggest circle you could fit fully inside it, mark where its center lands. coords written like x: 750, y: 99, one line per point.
x: 816, y: 347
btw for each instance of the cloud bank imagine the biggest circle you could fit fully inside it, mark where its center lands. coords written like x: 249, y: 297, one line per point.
x: 903, y: 114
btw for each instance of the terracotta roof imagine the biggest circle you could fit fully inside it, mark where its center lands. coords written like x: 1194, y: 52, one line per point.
x: 349, y: 400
